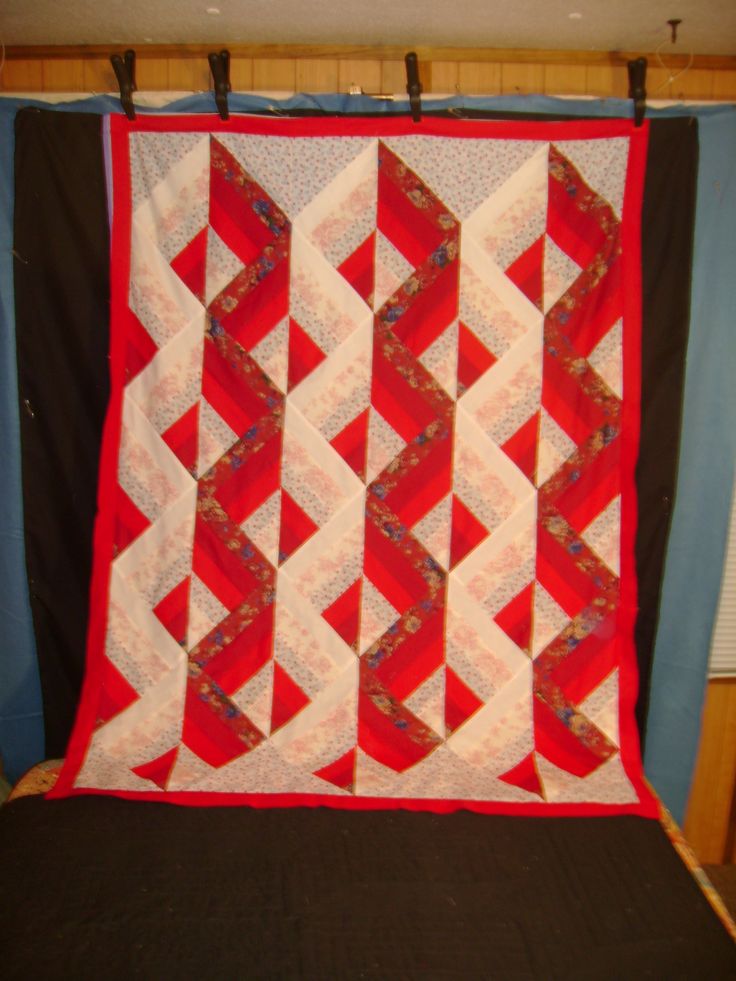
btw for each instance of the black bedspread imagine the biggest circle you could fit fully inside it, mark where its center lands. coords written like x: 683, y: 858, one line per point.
x: 102, y: 888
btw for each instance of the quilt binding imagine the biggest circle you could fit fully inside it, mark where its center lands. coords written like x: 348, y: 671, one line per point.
x: 120, y: 128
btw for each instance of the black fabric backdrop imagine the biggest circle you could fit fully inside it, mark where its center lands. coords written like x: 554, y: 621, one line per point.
x: 62, y: 307
x: 62, y: 301
x: 668, y: 220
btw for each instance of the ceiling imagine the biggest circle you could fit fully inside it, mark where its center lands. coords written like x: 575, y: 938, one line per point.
x: 708, y: 26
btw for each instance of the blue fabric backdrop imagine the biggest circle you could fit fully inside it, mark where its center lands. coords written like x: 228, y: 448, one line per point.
x: 706, y: 470
x: 21, y: 724
x: 699, y: 529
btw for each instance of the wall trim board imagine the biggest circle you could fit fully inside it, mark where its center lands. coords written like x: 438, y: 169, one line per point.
x: 369, y: 53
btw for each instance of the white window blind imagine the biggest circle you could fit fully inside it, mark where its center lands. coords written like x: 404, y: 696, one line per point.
x: 723, y: 646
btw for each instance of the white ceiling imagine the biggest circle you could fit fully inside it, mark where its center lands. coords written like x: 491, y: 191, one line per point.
x: 708, y: 26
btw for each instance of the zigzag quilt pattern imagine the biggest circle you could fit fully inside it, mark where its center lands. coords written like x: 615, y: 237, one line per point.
x: 363, y: 534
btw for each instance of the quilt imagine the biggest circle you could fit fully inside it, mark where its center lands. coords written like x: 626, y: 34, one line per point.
x: 366, y: 501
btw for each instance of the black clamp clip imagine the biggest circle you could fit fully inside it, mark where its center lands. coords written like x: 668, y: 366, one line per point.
x: 220, y: 68
x: 637, y: 88
x: 413, y: 86
x: 124, y: 68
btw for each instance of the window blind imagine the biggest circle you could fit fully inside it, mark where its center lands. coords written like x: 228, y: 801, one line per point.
x: 723, y: 644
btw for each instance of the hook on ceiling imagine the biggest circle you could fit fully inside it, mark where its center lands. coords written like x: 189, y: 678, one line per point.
x: 674, y: 23
x: 672, y: 74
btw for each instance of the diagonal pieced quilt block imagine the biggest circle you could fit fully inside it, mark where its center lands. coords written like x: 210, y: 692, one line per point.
x: 369, y: 530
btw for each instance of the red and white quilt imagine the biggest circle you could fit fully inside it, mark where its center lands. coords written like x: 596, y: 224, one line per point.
x: 367, y: 502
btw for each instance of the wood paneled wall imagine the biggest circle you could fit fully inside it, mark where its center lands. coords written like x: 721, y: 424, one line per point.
x: 710, y: 822
x: 274, y: 68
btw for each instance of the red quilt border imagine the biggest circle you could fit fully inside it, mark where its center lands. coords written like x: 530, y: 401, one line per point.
x: 120, y: 128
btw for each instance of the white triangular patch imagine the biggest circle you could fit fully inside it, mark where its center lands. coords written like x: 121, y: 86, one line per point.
x: 474, y: 647
x: 263, y: 527
x: 603, y: 535
x: 376, y: 615
x: 215, y: 437
x: 553, y: 448
x: 548, y: 619
x: 392, y: 269
x: 105, y: 771
x: 292, y: 170
x: 272, y: 354
x: 222, y: 266
x: 205, y: 611
x: 483, y: 172
x: 609, y: 784
x: 607, y: 358
x: 427, y: 702
x: 441, y: 359
x: 601, y: 164
x: 255, y: 698
x: 342, y: 214
x: 188, y: 769
x: 434, y: 530
x: 175, y: 210
x: 601, y: 707
x: 384, y: 444
x: 171, y: 382
x: 265, y: 771
x: 560, y: 272
x: 512, y: 219
x: 149, y: 166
